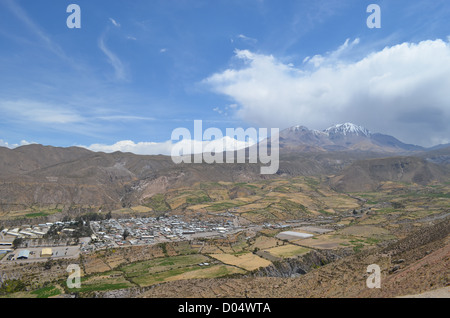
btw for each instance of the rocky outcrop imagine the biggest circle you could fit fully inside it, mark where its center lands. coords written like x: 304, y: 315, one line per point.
x: 293, y: 267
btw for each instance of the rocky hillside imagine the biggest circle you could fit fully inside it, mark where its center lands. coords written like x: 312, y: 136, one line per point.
x: 367, y: 175
x: 40, y: 176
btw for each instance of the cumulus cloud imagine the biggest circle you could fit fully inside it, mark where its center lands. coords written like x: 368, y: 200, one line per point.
x: 140, y: 148
x: 12, y: 146
x: 165, y: 148
x: 331, y: 57
x: 401, y: 90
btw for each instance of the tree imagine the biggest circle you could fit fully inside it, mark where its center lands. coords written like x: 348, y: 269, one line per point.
x: 17, y: 242
x: 11, y: 286
x: 48, y: 264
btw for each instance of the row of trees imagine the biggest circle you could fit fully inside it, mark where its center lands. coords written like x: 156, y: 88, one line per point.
x: 92, y: 216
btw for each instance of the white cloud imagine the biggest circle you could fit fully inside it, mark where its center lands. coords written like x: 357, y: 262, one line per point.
x: 125, y: 118
x: 64, y: 117
x: 34, y: 111
x: 400, y: 90
x: 331, y: 57
x: 247, y: 39
x: 12, y: 146
x: 114, y: 22
x: 113, y: 59
x: 218, y: 110
x: 165, y: 148
x: 22, y: 15
x: 140, y: 148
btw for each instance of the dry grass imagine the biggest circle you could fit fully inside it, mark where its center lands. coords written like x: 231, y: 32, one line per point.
x: 263, y: 242
x: 141, y: 209
x: 287, y: 251
x: 363, y: 231
x: 246, y: 261
x: 211, y: 249
x: 325, y: 241
x: 94, y: 264
x: 208, y: 272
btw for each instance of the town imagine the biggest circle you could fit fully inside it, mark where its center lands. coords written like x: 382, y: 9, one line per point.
x: 135, y: 231
x: 67, y: 239
x: 35, y: 242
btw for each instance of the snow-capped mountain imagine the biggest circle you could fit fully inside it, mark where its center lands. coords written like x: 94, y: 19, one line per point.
x: 341, y: 137
x: 347, y: 129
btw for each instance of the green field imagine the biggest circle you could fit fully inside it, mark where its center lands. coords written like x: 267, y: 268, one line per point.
x: 162, y: 264
x: 46, y: 292
x: 287, y: 251
x: 105, y: 281
x: 160, y: 270
x: 36, y: 215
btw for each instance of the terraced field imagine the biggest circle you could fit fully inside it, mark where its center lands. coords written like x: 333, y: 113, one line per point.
x: 287, y: 251
x: 247, y: 261
x: 105, y: 281
x: 264, y: 201
x: 353, y: 222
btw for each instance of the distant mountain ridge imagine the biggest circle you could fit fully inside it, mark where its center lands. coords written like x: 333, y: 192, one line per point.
x: 37, y: 175
x: 342, y: 137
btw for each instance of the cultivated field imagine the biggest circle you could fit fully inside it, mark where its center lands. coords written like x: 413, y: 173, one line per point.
x: 287, y: 251
x: 247, y: 261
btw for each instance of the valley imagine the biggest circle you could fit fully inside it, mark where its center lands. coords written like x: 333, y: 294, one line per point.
x: 142, y: 226
x: 254, y: 218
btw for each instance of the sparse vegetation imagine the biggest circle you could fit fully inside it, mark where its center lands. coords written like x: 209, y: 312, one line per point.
x: 12, y: 286
x: 158, y: 203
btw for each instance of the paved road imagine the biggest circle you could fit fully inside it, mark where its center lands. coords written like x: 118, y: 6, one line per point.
x: 59, y: 252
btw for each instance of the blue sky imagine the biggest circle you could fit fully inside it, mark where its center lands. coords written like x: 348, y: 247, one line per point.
x: 136, y: 70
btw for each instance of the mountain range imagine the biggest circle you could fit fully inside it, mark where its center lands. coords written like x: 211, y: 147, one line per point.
x: 349, y: 155
x: 342, y: 137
